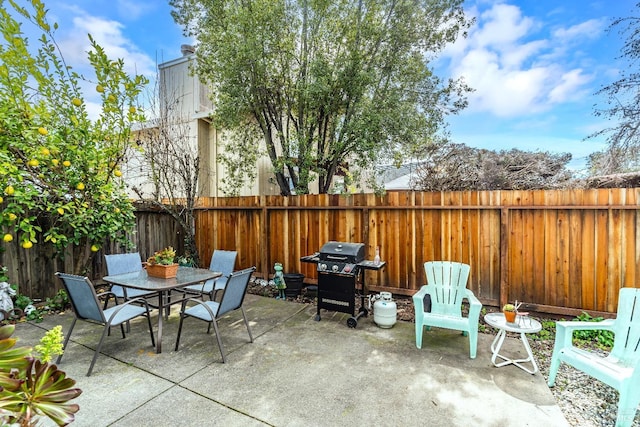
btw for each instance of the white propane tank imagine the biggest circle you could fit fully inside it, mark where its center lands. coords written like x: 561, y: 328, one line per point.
x: 384, y: 310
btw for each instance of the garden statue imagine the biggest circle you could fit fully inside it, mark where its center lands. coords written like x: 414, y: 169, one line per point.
x: 278, y: 281
x: 6, y: 292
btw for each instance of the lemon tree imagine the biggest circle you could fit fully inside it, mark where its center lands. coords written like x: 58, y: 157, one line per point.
x: 60, y: 178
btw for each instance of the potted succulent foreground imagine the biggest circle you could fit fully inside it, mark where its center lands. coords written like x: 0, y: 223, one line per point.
x: 510, y: 313
x: 162, y: 264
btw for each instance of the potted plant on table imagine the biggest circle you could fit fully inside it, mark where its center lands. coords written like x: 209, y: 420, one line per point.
x: 510, y: 313
x: 162, y: 264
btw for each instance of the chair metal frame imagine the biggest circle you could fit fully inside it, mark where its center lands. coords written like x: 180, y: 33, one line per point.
x: 210, y: 311
x: 447, y: 288
x: 87, y: 307
x: 620, y: 369
x: 223, y: 261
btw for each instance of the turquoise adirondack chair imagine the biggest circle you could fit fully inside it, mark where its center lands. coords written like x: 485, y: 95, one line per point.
x: 447, y: 287
x: 621, y: 368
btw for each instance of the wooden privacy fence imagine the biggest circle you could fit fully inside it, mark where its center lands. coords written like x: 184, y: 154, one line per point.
x: 558, y: 251
x: 33, y: 269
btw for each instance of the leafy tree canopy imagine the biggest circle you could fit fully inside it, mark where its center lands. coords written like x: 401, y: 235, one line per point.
x: 59, y: 173
x: 327, y: 84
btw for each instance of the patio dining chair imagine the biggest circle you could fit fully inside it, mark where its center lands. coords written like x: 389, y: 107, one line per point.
x: 87, y: 307
x: 222, y: 261
x: 439, y: 302
x: 620, y: 369
x: 210, y: 311
x: 121, y: 264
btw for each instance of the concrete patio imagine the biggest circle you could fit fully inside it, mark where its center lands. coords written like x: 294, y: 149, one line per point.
x: 296, y: 372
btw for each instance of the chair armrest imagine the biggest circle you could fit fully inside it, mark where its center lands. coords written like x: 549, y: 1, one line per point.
x: 565, y: 329
x: 197, y: 301
x: 106, y: 293
x: 475, y: 306
x: 470, y: 296
x: 131, y: 301
x: 418, y: 297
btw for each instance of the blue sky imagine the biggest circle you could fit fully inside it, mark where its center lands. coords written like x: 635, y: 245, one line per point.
x: 535, y: 65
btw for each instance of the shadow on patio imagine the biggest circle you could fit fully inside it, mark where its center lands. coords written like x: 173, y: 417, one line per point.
x: 296, y: 372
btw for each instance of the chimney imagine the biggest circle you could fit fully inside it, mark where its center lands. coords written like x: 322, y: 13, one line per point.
x: 187, y: 50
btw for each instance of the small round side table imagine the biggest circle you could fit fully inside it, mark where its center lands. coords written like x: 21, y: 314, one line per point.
x: 523, y: 325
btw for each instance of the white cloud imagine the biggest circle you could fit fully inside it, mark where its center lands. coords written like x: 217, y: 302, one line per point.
x: 108, y: 34
x: 590, y: 29
x: 502, y: 25
x: 516, y: 71
x: 571, y: 86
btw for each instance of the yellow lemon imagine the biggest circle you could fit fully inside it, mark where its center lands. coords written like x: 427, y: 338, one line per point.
x: 60, y: 211
x: 111, y: 98
x: 132, y: 109
x: 1, y: 199
x: 43, y: 131
x: 45, y: 151
x: 95, y: 248
x: 33, y: 162
x: 55, y: 162
x: 76, y: 101
x: 7, y: 237
x: 117, y: 173
x: 100, y: 88
x: 27, y: 244
x: 80, y: 186
x: 12, y: 216
x: 9, y: 190
x: 66, y: 163
x: 117, y: 210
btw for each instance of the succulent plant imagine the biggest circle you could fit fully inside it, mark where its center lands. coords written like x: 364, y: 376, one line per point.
x: 31, y: 388
x: 164, y: 257
x: 509, y: 307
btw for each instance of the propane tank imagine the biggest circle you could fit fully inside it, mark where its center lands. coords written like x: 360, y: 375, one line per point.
x: 384, y: 310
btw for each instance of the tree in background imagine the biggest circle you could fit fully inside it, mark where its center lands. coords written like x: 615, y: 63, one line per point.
x: 457, y: 167
x: 329, y: 86
x: 623, y: 108
x: 59, y: 170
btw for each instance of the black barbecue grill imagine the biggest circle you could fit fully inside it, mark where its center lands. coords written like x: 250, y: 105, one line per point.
x: 340, y: 265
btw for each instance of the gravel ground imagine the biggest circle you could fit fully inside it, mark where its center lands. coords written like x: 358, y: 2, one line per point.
x: 585, y: 402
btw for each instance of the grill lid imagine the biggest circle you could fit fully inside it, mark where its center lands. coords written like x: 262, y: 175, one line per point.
x: 342, y: 252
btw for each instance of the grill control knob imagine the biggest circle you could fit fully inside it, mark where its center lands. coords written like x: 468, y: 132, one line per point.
x: 347, y: 269
x: 334, y: 268
x: 323, y: 267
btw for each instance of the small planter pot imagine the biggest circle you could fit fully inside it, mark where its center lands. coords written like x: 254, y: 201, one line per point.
x: 294, y: 283
x: 510, y: 316
x: 162, y: 271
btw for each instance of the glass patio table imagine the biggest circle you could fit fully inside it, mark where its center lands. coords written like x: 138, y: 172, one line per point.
x: 140, y: 280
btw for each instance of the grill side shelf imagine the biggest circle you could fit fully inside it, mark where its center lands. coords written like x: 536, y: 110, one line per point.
x: 314, y: 259
x: 371, y: 265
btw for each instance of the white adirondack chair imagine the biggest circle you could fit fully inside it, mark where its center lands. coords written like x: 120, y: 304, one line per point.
x: 447, y: 287
x: 621, y: 368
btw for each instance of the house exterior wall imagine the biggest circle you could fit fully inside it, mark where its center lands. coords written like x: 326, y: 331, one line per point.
x: 177, y: 82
